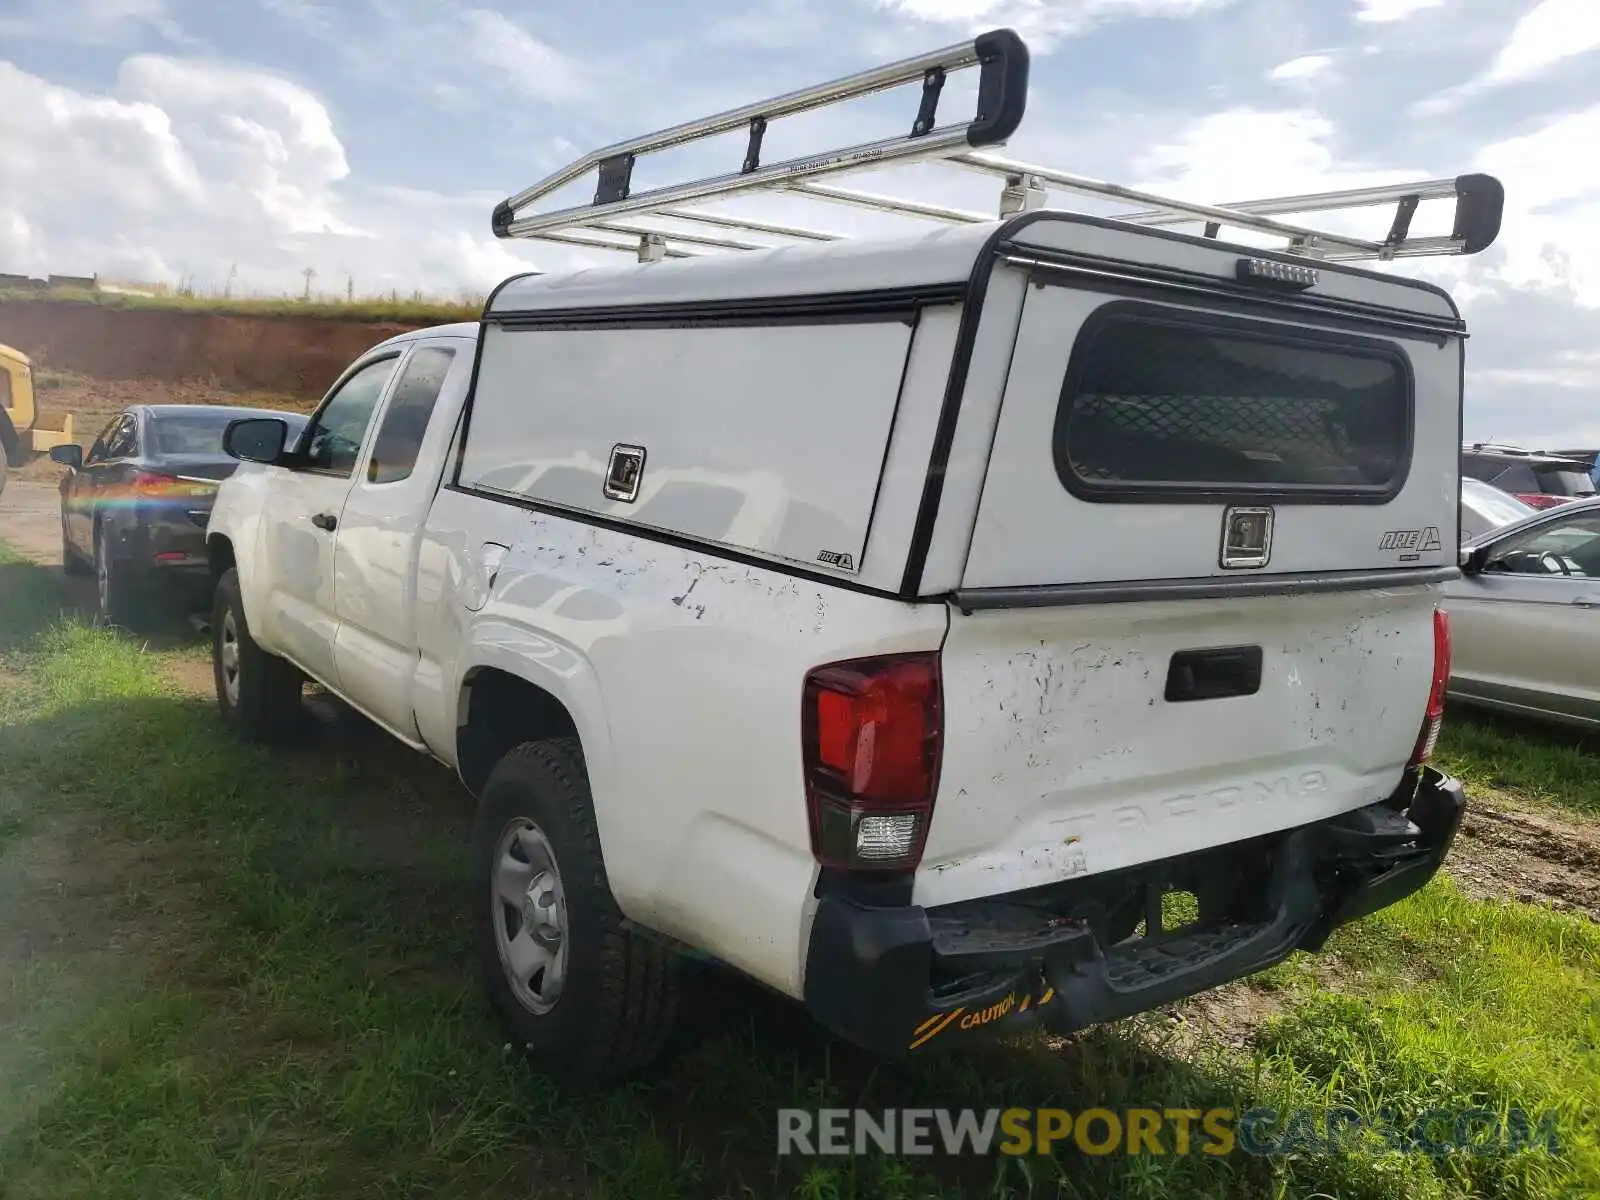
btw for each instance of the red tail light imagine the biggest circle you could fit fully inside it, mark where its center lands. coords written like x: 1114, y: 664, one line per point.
x: 150, y: 483
x: 871, y: 735
x: 159, y: 486
x: 1541, y: 499
x: 1433, y: 719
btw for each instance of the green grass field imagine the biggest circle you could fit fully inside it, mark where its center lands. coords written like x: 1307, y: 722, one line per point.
x: 248, y: 975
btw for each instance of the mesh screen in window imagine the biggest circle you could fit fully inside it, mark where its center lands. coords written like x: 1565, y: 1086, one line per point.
x: 1157, y: 404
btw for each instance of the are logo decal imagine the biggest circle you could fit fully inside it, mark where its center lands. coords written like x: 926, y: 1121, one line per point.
x: 1419, y: 540
x: 838, y: 558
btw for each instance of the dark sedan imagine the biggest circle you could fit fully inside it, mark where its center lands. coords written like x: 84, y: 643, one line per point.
x: 134, y: 509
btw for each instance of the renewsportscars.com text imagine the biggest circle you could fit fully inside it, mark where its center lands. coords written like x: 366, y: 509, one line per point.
x: 1163, y: 1130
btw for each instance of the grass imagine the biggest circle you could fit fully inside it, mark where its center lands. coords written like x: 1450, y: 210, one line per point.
x: 394, y: 309
x: 299, y: 1016
x: 1547, y: 767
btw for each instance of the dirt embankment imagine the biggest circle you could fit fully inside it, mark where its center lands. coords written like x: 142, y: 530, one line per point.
x: 284, y: 355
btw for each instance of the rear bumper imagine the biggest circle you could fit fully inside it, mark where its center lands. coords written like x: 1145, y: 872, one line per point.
x: 163, y: 544
x: 902, y: 979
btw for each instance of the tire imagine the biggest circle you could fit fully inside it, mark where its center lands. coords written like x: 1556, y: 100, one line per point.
x: 121, y: 601
x: 258, y: 693
x: 71, y: 561
x: 612, y: 1002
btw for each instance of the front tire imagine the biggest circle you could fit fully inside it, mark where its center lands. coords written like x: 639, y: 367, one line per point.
x: 258, y: 693
x: 589, y: 999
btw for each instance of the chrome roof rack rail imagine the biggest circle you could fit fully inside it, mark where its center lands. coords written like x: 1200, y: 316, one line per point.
x: 634, y: 220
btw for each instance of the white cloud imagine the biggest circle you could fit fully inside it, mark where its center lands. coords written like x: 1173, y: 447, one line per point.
x: 1386, y: 11
x: 1566, y: 369
x: 91, y: 22
x: 309, y: 15
x: 1044, y: 21
x: 1551, y: 235
x: 1548, y: 34
x: 190, y: 167
x: 1248, y: 153
x: 1306, y: 67
x: 527, y: 65
x: 458, y: 55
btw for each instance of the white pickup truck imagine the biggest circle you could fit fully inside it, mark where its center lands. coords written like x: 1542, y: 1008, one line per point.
x: 894, y: 621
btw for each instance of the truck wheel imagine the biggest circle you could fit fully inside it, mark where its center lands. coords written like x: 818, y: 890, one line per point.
x: 588, y: 999
x: 120, y: 601
x: 258, y: 693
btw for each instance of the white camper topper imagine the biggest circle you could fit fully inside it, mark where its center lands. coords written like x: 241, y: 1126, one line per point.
x: 894, y: 620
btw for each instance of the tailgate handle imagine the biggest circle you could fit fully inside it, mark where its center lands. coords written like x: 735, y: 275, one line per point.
x: 1215, y: 673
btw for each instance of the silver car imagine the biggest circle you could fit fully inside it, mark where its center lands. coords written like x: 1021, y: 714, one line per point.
x: 1525, y: 617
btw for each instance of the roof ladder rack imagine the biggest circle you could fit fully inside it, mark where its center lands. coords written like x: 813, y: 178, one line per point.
x: 613, y: 219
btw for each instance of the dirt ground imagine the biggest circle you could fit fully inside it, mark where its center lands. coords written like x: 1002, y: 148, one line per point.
x: 30, y: 516
x: 1503, y: 851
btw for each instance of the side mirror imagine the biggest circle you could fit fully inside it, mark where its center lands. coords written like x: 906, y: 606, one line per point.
x: 70, y: 455
x: 1474, y: 561
x: 256, y: 439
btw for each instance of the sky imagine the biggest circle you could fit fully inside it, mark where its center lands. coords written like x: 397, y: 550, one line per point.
x: 237, y: 143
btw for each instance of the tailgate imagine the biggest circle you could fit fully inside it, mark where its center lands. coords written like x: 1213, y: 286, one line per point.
x: 1086, y: 738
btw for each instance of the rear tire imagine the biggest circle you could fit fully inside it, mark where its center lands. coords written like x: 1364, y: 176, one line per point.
x: 71, y: 561
x: 258, y: 693
x: 121, y: 602
x: 601, y: 999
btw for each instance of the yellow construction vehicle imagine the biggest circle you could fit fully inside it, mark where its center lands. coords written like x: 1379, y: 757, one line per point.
x: 19, y: 438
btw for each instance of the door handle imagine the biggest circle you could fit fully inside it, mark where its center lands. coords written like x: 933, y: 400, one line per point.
x: 1214, y: 674
x: 325, y: 521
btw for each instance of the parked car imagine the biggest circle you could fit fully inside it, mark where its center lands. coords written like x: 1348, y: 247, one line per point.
x: 1538, y: 480
x: 1485, y: 507
x: 1525, y: 617
x: 893, y: 621
x: 134, y: 509
x: 1590, y: 460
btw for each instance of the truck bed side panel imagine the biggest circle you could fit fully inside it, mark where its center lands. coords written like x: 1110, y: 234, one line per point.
x: 683, y: 672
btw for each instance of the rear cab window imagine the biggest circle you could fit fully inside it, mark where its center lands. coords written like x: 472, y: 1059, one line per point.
x: 1160, y: 403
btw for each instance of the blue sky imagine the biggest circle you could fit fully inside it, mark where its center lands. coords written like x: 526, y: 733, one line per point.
x: 369, y: 139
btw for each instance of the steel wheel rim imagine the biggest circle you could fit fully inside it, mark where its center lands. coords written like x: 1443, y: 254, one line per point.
x: 228, y: 658
x: 528, y: 908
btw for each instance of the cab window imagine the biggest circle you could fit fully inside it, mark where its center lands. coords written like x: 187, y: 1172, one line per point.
x: 332, y: 442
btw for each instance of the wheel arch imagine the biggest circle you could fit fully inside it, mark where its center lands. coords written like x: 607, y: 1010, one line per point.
x: 220, y: 556
x: 504, y: 699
